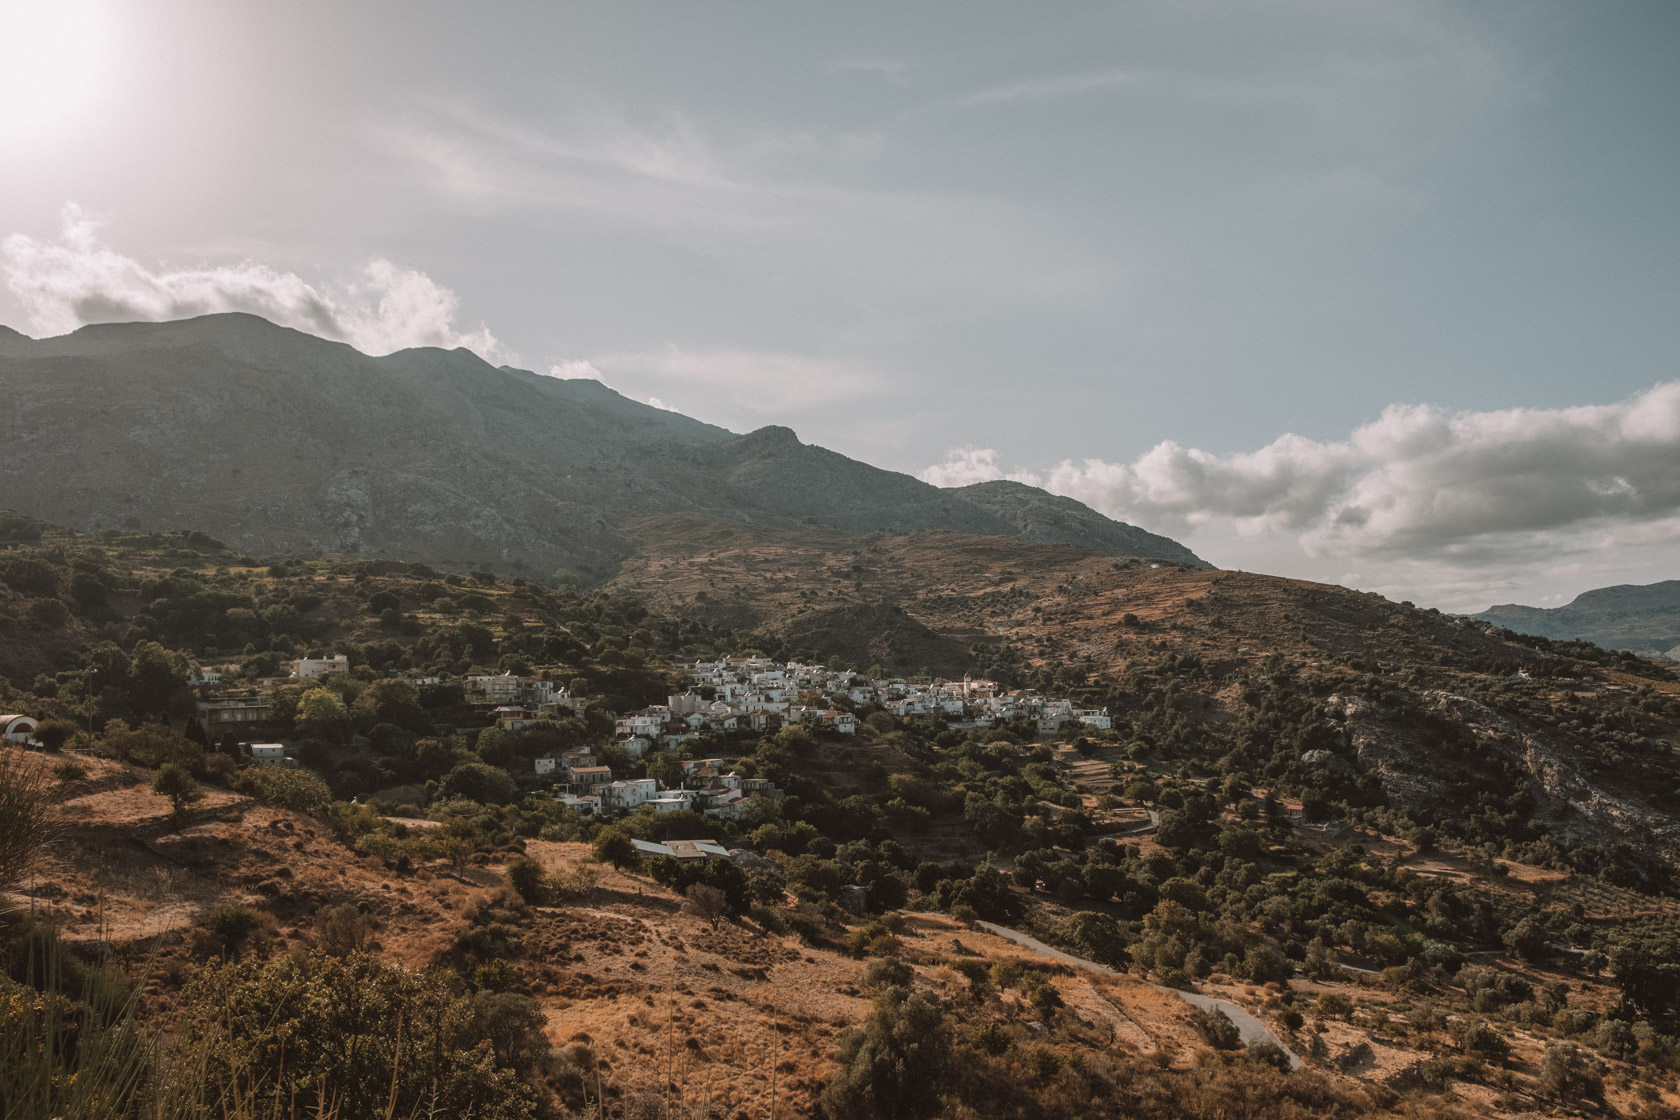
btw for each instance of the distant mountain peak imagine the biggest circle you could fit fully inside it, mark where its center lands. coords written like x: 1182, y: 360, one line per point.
x: 276, y: 440
x: 1644, y: 618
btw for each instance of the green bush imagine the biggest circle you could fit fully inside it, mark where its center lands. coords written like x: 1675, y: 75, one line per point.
x: 525, y: 877
x: 297, y: 790
x: 231, y: 926
x: 1216, y: 1028
x: 1269, y: 1053
x: 887, y: 972
x: 991, y: 1038
x: 897, y: 1067
x: 1569, y: 1075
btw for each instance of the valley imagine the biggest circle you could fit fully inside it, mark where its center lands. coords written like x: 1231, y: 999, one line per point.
x: 1434, y: 860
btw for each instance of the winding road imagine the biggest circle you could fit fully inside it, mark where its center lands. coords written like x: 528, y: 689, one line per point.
x: 1250, y: 1029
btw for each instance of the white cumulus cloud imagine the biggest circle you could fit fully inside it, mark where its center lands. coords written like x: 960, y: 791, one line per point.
x: 1418, y: 485
x: 75, y: 280
x: 964, y: 466
x: 576, y: 369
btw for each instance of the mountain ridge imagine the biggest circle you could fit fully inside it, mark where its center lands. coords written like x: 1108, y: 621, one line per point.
x: 281, y: 441
x: 1643, y: 618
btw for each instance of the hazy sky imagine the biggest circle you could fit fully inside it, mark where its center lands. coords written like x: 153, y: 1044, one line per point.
x: 1381, y: 293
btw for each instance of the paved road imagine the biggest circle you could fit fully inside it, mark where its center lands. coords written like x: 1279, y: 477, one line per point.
x: 1250, y: 1029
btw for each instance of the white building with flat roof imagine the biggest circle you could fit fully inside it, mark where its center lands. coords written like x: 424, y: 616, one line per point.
x: 320, y: 668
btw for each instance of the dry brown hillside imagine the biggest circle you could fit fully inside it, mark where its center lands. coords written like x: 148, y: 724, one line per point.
x: 934, y: 595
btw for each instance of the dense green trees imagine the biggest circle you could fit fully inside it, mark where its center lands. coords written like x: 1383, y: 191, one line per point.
x: 898, y: 1066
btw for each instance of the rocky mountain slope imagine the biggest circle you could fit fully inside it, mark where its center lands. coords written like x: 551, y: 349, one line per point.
x: 1047, y: 518
x: 279, y: 441
x: 1643, y: 618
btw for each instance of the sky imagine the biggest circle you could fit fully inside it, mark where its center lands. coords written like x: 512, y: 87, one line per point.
x: 1384, y: 294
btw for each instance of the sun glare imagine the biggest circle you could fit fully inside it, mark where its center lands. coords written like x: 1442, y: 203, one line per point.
x: 52, y: 57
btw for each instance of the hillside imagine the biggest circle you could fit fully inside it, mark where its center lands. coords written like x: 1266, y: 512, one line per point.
x: 1045, y: 518
x: 1644, y: 618
x: 277, y: 441
x: 1129, y: 634
x: 1428, y: 878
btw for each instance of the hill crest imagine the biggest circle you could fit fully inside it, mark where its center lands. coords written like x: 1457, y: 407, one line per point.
x: 279, y: 441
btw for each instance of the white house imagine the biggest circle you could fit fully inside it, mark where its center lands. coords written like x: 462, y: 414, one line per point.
x: 1096, y: 718
x: 320, y: 668
x: 673, y: 800
x: 724, y: 803
x: 588, y: 804
x: 268, y: 754
x: 628, y: 794
x: 648, y: 722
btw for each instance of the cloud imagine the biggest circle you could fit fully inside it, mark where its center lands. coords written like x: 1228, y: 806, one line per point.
x: 1418, y: 485
x: 76, y: 280
x: 576, y: 370
x: 758, y: 382
x: 964, y: 466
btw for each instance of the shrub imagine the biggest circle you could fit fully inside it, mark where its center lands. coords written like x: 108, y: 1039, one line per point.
x: 351, y: 1034
x: 524, y: 877
x: 342, y: 930
x: 896, y: 1067
x: 173, y: 781
x: 1334, y: 1005
x: 68, y: 772
x: 707, y: 903
x: 1269, y: 1053
x: 49, y: 613
x: 1046, y: 1000
x: 296, y: 790
x: 771, y: 920
x: 54, y: 733
x: 1615, y: 1039
x: 1042, y: 1061
x: 991, y: 1038
x: 1216, y: 1028
x: 1567, y: 1074
x: 979, y: 977
x: 1476, y: 1037
x: 886, y: 972
x: 568, y: 886
x: 231, y: 927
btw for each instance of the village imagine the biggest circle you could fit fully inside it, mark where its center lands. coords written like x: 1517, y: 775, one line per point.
x: 724, y: 698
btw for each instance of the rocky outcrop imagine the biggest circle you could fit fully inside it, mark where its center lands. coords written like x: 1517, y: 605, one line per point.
x: 1410, y: 764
